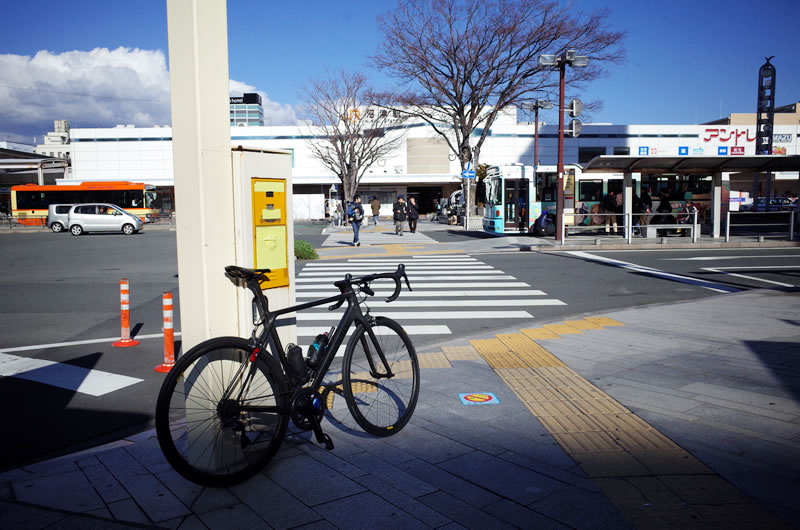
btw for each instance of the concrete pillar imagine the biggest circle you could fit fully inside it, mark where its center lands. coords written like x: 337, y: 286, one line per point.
x: 201, y: 143
x: 627, y: 199
x: 716, y: 204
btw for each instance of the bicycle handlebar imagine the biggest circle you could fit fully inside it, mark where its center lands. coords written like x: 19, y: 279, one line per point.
x: 364, y: 281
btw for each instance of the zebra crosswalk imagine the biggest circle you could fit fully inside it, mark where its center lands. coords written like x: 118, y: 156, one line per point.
x: 383, y: 234
x: 446, y: 289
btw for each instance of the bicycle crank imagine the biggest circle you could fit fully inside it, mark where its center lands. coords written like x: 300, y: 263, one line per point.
x: 307, y: 411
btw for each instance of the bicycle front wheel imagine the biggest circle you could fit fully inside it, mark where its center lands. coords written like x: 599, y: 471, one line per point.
x: 381, y: 396
x: 219, y: 417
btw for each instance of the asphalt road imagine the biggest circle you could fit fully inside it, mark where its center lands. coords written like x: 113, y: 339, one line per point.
x: 56, y: 288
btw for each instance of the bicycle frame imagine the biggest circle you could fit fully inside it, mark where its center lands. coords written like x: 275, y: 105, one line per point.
x: 353, y: 314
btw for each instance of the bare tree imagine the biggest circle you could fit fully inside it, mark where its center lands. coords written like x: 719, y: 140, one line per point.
x: 465, y: 61
x: 347, y: 133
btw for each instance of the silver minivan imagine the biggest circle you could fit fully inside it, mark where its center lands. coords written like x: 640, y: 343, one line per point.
x: 58, y: 217
x: 102, y: 217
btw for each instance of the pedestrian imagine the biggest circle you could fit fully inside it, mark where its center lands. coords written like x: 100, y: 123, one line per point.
x: 355, y: 214
x: 609, y: 208
x: 647, y: 205
x: 413, y: 214
x: 637, y: 219
x: 400, y: 212
x: 619, y: 209
x: 376, y: 209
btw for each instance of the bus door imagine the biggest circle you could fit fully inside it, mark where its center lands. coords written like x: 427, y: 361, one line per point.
x: 516, y: 205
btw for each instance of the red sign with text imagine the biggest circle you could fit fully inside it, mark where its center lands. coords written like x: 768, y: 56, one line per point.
x: 737, y: 150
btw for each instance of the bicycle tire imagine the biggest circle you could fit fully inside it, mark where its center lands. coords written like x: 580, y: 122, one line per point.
x: 213, y: 443
x: 381, y: 406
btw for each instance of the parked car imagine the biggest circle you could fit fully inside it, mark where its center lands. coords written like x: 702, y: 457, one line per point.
x: 58, y: 217
x: 102, y: 217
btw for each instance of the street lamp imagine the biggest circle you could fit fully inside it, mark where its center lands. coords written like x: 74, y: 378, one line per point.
x: 535, y: 106
x: 560, y: 62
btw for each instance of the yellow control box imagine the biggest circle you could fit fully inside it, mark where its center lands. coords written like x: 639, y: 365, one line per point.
x: 270, y: 236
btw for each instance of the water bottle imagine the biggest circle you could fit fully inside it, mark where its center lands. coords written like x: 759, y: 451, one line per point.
x: 295, y: 357
x: 317, y: 350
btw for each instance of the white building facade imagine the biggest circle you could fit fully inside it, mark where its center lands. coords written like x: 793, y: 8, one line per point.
x: 423, y: 163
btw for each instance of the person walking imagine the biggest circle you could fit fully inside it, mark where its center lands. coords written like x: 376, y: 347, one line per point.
x: 647, y: 205
x: 355, y: 214
x: 413, y: 214
x: 610, y: 207
x: 375, y: 204
x: 400, y: 212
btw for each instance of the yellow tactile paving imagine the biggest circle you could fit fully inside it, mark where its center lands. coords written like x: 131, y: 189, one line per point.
x: 539, y: 394
x: 621, y: 422
x: 582, y: 324
x: 648, y: 440
x: 396, y: 250
x: 497, y: 354
x: 527, y: 350
x: 599, y: 406
x: 604, y: 321
x: 562, y: 329
x: 517, y: 378
x: 461, y: 353
x: 586, y: 442
x: 583, y: 392
x: 551, y: 408
x: 560, y: 376
x: 433, y: 360
x: 540, y: 333
x: 572, y: 423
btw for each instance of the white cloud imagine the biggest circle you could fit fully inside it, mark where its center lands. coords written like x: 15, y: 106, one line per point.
x: 94, y: 88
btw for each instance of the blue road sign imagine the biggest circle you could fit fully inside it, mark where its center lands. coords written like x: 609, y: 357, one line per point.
x: 470, y: 174
x: 683, y: 151
x: 643, y: 151
x: 722, y: 150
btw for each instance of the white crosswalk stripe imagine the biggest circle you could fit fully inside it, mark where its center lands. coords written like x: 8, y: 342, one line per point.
x: 446, y: 289
x: 383, y: 235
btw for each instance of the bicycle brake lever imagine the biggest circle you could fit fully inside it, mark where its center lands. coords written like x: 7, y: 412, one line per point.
x: 367, y: 289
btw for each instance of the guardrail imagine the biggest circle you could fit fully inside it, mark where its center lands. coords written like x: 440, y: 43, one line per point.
x: 789, y: 223
x: 628, y: 225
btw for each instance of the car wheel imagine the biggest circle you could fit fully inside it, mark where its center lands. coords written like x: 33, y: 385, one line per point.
x: 76, y: 230
x: 57, y: 227
x: 128, y: 229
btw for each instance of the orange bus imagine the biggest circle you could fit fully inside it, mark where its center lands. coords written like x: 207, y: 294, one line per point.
x: 29, y: 202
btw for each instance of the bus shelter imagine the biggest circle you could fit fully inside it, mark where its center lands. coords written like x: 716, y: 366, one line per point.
x: 717, y: 167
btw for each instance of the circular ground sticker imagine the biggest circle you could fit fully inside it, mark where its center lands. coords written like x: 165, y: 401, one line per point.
x: 479, y: 398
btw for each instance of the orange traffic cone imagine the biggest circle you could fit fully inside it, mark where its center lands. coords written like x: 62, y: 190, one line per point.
x: 169, y: 336
x: 125, y: 316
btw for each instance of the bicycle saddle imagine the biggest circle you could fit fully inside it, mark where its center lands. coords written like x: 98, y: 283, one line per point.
x: 240, y: 273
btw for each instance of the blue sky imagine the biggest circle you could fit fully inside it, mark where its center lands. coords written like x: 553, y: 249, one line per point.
x: 688, y: 61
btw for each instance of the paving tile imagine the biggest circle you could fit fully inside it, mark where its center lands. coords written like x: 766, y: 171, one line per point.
x: 293, y: 475
x: 520, y: 516
x: 427, y: 445
x: 367, y: 510
x: 274, y: 504
x: 333, y: 459
x: 766, y: 401
x: 49, y: 491
x: 213, y: 499
x: 186, y: 491
x: 127, y: 510
x: 122, y: 464
x: 395, y: 476
x: 611, y: 464
x: 322, y: 524
x: 744, y: 420
x: 501, y: 477
x: 403, y: 501
x: 20, y: 517
x: 641, y: 513
x: 104, y: 482
x: 438, y: 478
x: 740, y: 516
x: 461, y: 512
x: 154, y: 498
x: 573, y: 477
x: 237, y: 516
x: 704, y: 489
x: 579, y: 508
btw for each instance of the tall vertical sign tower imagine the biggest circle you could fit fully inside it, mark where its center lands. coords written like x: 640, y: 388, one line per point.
x: 766, y: 108
x: 765, y: 117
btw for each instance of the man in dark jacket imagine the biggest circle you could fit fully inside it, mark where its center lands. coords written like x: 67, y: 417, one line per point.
x: 400, y: 210
x: 610, y: 207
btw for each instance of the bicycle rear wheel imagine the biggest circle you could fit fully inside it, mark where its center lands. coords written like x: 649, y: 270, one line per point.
x: 380, y: 404
x: 214, y: 441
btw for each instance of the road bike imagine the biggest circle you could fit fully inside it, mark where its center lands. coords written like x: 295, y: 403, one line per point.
x: 224, y: 408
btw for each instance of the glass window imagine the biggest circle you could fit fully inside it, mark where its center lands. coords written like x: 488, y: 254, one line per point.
x: 587, y: 153
x: 622, y: 150
x: 590, y: 190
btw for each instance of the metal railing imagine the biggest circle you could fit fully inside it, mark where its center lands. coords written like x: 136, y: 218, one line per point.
x: 789, y: 223
x: 628, y: 226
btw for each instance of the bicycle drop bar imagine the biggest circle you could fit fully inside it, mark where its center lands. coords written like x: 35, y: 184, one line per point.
x: 364, y: 282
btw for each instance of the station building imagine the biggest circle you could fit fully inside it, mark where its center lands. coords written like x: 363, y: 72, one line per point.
x: 423, y: 165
